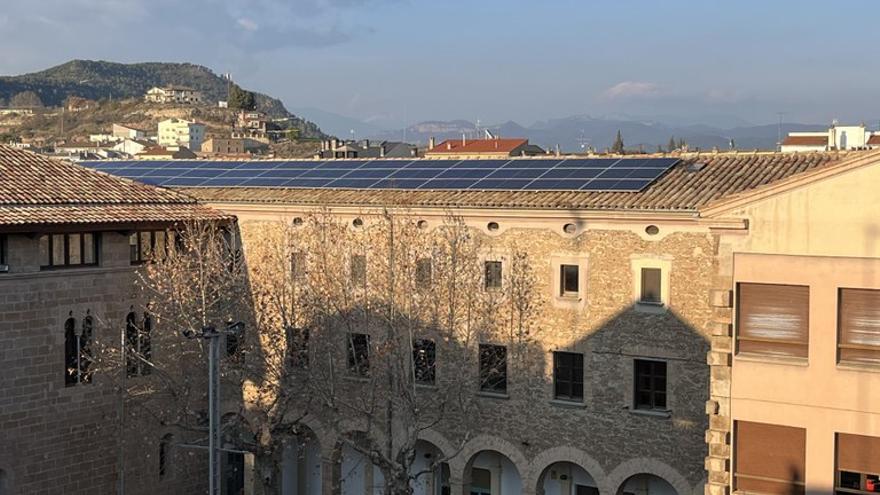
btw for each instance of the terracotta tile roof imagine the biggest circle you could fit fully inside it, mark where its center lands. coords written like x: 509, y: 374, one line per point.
x: 874, y: 139
x: 38, y: 189
x: 477, y: 146
x: 805, y: 141
x: 694, y: 182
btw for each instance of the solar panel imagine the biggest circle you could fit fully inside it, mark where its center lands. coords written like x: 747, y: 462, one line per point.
x: 532, y: 174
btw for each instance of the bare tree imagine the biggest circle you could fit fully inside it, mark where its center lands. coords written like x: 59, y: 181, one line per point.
x: 374, y: 324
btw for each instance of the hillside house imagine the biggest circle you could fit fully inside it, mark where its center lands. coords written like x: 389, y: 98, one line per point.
x: 173, y: 94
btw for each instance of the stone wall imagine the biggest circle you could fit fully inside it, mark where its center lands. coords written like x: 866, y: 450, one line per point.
x: 604, y: 434
x: 59, y: 439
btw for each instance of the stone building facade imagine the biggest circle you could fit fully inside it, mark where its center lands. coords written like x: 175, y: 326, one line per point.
x: 677, y: 334
x: 67, y: 284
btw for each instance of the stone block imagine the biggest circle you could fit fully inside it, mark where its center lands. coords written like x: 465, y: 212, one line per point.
x: 711, y: 407
x: 717, y: 358
x: 716, y: 489
x: 719, y: 423
x: 721, y: 298
x: 722, y: 344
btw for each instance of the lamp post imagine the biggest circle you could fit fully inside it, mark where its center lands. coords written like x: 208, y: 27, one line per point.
x: 212, y: 335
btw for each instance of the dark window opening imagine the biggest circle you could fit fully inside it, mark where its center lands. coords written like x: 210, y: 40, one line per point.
x: 423, y: 273
x: 138, y: 342
x: 493, y: 368
x: 4, y: 248
x: 298, y: 266
x: 568, y: 376
x: 298, y: 347
x: 148, y: 246
x: 359, y: 270
x: 424, y: 361
x: 650, y: 384
x: 858, y: 464
x: 651, y: 283
x: 569, y: 280
x: 68, y: 250
x: 359, y: 354
x: 78, y: 356
x: 493, y: 274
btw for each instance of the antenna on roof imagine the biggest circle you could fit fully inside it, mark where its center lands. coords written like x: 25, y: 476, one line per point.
x: 489, y: 134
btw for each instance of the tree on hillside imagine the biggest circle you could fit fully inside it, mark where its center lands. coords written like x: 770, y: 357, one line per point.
x: 241, y: 99
x: 344, y: 321
x: 671, y: 146
x: 618, y: 146
x: 25, y: 99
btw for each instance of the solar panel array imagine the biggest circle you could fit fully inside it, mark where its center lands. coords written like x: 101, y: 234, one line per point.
x: 570, y: 174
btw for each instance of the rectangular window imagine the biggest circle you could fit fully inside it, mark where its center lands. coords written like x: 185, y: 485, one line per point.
x: 650, y: 384
x: 298, y: 266
x: 568, y: 376
x: 4, y: 247
x: 773, y: 320
x: 651, y: 283
x: 568, y: 280
x: 298, y: 347
x: 359, y: 354
x: 769, y: 458
x: 423, y: 273
x: 859, y: 326
x: 493, y: 368
x: 858, y: 464
x: 147, y: 246
x: 424, y: 361
x: 68, y: 250
x: 359, y: 270
x: 493, y: 275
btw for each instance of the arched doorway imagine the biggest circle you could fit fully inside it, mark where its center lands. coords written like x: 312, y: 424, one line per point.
x: 356, y: 474
x: 429, y: 481
x: 646, y: 484
x: 566, y: 478
x: 491, y: 473
x: 301, y: 465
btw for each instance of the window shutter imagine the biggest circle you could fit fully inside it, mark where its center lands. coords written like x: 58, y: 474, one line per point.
x: 858, y: 453
x: 769, y: 458
x: 773, y: 319
x: 651, y: 280
x: 860, y: 325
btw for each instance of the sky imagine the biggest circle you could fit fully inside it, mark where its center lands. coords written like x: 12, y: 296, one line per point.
x: 391, y: 62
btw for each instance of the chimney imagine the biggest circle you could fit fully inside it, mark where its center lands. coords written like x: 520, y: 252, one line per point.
x: 382, y: 151
x: 432, y: 142
x: 366, y: 144
x: 463, y: 139
x: 449, y: 145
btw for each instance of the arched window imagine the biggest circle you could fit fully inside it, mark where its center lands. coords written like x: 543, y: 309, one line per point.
x: 146, y: 342
x: 165, y: 461
x: 131, y: 343
x: 85, y: 348
x: 5, y: 483
x: 71, y: 347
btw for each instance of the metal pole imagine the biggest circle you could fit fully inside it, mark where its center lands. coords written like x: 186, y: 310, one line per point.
x: 213, y: 410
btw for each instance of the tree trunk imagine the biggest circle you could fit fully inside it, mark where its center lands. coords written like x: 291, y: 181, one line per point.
x: 397, y: 483
x: 267, y: 473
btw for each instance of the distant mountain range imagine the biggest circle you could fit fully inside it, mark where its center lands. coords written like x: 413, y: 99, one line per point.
x: 580, y: 131
x: 98, y: 80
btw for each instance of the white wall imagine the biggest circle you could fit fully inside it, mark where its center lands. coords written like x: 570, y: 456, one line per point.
x: 575, y: 475
x: 503, y: 471
x: 426, y: 484
x: 359, y: 477
x: 301, y: 460
x: 647, y: 484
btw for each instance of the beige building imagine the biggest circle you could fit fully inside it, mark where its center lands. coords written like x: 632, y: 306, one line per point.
x: 71, y: 240
x: 796, y: 351
x: 837, y: 137
x: 173, y: 94
x: 128, y: 132
x: 493, y: 148
x: 179, y: 132
x: 233, y: 146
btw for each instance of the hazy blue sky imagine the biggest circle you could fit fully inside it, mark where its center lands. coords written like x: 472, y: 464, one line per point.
x: 395, y: 60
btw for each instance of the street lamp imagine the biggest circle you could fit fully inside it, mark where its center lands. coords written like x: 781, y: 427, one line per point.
x: 212, y: 335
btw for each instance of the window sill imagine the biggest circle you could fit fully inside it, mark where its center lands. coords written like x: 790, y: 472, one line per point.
x: 493, y: 395
x: 779, y: 360
x: 850, y: 366
x: 650, y: 307
x: 656, y: 413
x: 570, y: 404
x: 357, y: 378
